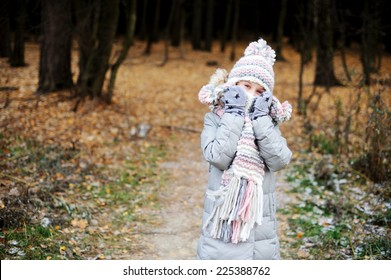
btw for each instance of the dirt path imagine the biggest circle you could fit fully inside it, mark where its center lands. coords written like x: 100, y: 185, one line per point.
x: 179, y: 218
x: 181, y: 206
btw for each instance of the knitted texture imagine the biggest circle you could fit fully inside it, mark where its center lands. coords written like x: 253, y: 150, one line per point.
x: 255, y: 66
x: 239, y: 200
x: 238, y: 203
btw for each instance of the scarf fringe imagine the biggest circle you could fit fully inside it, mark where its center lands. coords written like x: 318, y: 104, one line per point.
x: 238, y: 203
x: 238, y: 206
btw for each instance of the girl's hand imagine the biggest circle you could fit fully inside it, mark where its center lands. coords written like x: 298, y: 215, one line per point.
x: 262, y: 105
x: 234, y: 101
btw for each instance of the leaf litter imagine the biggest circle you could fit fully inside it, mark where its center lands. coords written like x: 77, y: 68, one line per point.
x: 124, y: 181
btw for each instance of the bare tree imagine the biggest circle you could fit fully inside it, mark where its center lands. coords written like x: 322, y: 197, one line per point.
x: 96, y: 29
x: 280, y: 30
x: 197, y: 24
x: 5, y: 46
x: 209, y: 25
x: 153, y: 28
x: 17, y: 42
x: 304, y: 43
x: 130, y: 14
x: 370, y: 33
x: 177, y: 24
x: 143, y: 28
x: 235, y: 29
x: 227, y: 25
x: 167, y: 32
x: 340, y: 16
x: 324, y: 72
x: 55, y: 53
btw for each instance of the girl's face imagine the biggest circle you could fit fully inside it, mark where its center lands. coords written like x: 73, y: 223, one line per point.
x: 251, y: 88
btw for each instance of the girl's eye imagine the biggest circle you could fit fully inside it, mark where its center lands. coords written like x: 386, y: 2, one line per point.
x: 247, y: 85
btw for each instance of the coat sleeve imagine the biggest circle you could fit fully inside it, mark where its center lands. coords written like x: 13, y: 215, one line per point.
x: 272, y: 146
x: 220, y: 137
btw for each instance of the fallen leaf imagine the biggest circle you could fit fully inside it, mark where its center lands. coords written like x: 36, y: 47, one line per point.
x: 79, y: 223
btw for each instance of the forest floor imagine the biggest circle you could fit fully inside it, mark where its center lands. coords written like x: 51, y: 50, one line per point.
x: 88, y: 184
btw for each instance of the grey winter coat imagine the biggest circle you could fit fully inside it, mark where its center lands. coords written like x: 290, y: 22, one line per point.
x: 219, y: 140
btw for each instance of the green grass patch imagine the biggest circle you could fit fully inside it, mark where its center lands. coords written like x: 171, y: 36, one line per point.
x: 70, y: 195
x: 328, y: 222
x: 32, y: 242
x: 309, y: 228
x: 375, y: 247
x: 323, y: 144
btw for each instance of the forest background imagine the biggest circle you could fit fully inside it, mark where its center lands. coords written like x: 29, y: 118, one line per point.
x: 99, y: 110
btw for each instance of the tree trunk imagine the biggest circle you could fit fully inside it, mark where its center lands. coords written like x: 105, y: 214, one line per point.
x: 235, y: 29
x: 167, y: 33
x: 182, y: 28
x: 227, y: 25
x: 176, y: 26
x: 143, y: 28
x: 324, y: 73
x: 209, y: 25
x: 303, y: 40
x: 55, y: 54
x: 153, y: 29
x: 300, y: 102
x: 106, y: 35
x: 130, y: 13
x: 5, y: 46
x: 97, y: 28
x: 370, y: 33
x: 197, y: 24
x: 86, y: 33
x: 17, y: 44
x: 342, y: 45
x: 280, y: 30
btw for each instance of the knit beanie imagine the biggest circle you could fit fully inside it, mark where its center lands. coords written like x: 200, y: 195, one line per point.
x: 255, y: 66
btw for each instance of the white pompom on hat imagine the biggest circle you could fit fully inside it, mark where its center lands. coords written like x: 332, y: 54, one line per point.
x: 255, y: 66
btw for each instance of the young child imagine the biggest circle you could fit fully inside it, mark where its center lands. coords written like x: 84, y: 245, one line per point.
x: 244, y: 147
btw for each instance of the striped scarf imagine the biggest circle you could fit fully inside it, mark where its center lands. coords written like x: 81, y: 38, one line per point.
x: 238, y: 203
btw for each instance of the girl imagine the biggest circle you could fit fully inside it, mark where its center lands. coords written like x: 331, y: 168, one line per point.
x: 244, y: 147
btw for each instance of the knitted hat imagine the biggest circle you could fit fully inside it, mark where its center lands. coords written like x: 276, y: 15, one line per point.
x: 255, y: 66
